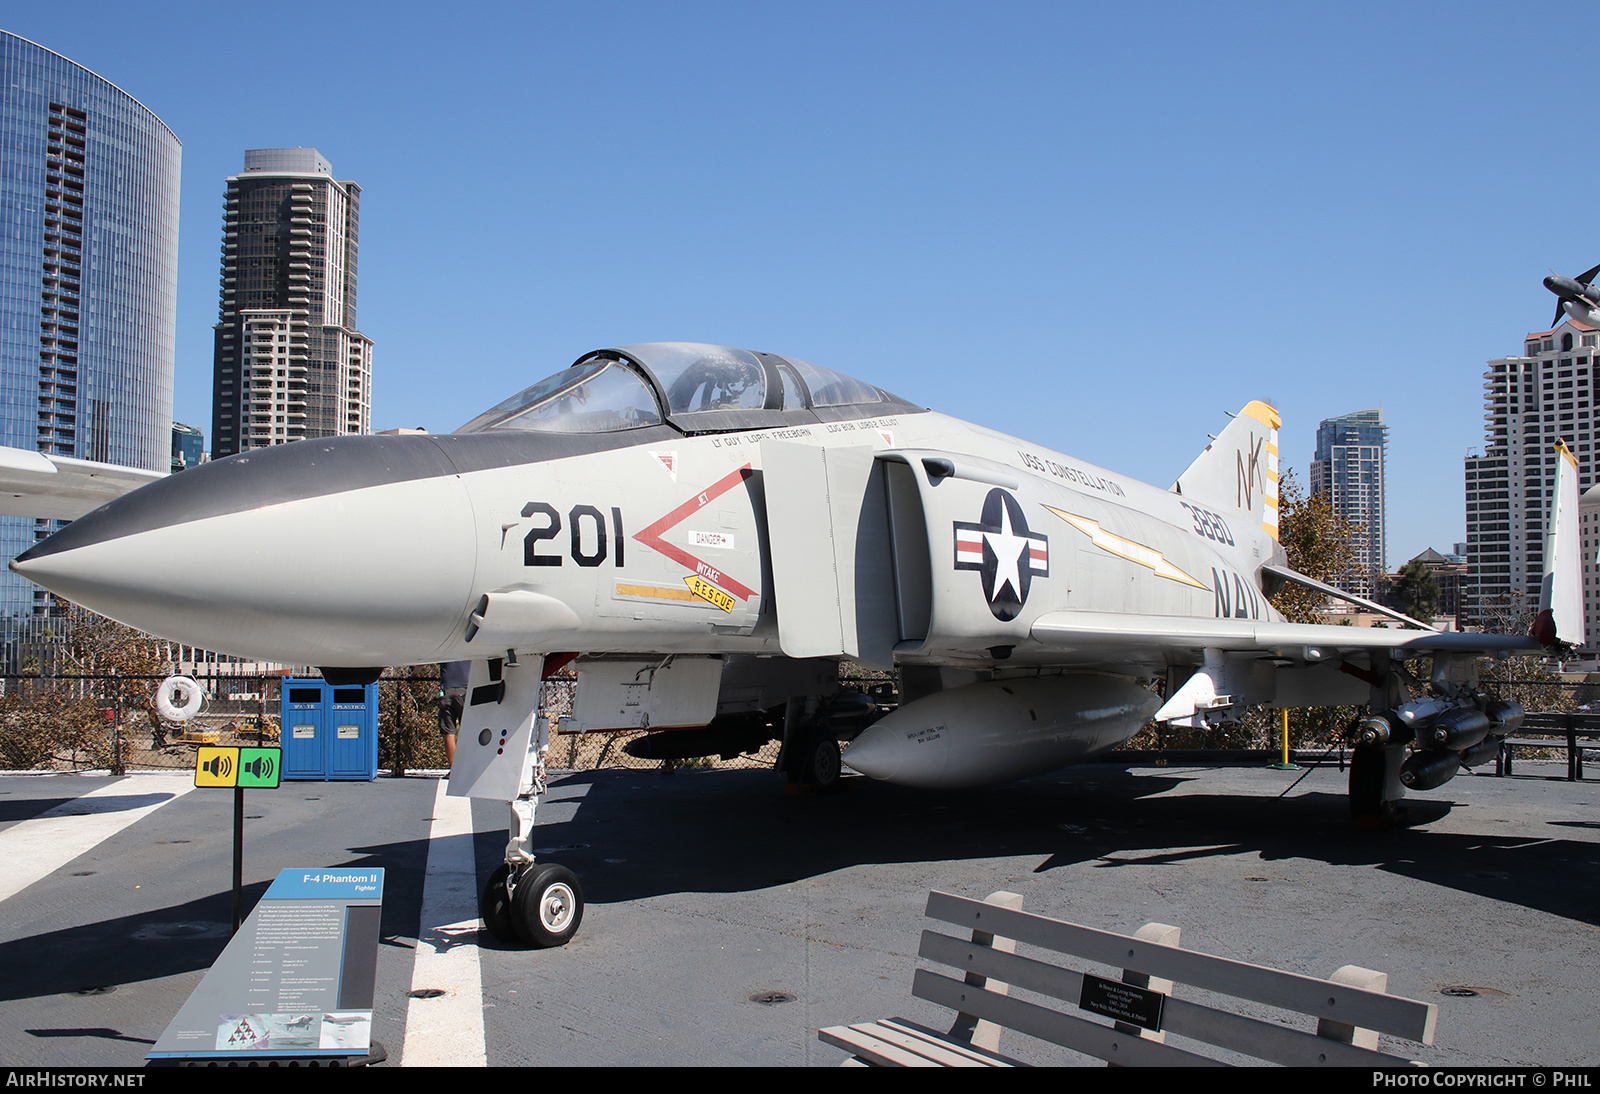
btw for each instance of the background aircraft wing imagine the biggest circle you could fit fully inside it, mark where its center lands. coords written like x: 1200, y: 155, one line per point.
x: 59, y: 487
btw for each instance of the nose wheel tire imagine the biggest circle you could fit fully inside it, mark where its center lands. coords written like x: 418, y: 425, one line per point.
x: 494, y: 905
x: 546, y: 905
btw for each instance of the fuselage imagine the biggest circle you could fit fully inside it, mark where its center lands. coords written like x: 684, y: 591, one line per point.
x: 389, y: 550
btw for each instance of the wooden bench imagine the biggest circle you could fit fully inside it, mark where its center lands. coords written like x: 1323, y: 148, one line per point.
x: 1351, y: 1009
x: 1565, y: 730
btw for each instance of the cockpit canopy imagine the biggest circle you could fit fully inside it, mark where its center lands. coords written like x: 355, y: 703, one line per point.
x: 695, y: 387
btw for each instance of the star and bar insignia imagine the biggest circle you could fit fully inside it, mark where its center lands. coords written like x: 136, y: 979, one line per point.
x: 1005, y: 551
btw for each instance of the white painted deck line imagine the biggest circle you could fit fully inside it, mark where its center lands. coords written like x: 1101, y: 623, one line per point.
x: 36, y: 848
x: 448, y: 1031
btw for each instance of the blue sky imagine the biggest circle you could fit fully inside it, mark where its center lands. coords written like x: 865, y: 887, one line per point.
x: 1096, y: 226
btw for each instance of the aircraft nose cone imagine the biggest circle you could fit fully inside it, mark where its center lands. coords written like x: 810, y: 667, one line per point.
x: 350, y: 551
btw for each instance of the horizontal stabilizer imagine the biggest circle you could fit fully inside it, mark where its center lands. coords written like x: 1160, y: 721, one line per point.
x: 1297, y: 578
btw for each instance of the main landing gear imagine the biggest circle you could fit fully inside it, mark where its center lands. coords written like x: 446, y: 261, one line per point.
x: 1375, y: 788
x: 810, y: 752
x: 815, y: 759
x: 1420, y: 734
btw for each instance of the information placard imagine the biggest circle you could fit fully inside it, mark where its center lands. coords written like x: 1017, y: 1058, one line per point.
x: 296, y: 980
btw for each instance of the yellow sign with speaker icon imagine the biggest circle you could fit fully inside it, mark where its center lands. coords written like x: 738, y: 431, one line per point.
x: 256, y: 768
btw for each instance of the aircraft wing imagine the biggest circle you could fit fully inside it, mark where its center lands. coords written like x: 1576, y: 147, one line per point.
x: 60, y: 487
x: 1291, y: 641
x: 1246, y: 661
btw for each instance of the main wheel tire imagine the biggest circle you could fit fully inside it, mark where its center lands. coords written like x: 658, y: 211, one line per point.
x: 494, y: 905
x: 822, y: 765
x: 1368, y: 782
x: 547, y: 905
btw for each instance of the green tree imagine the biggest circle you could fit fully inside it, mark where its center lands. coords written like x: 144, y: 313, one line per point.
x: 1318, y: 543
x: 408, y: 719
x: 46, y: 723
x: 1507, y: 613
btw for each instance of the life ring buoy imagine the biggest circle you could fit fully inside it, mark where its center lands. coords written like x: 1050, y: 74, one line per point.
x: 167, y: 695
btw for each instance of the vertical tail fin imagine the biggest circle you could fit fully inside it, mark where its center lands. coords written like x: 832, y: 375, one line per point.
x: 1560, y: 621
x: 1239, y: 470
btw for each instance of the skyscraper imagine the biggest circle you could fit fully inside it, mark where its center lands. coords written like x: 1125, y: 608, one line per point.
x: 188, y: 445
x: 1588, y: 547
x: 289, y: 362
x: 1529, y: 403
x: 1350, y: 467
x: 88, y: 278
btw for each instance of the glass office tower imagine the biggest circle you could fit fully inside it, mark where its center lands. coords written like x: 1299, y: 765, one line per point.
x: 1350, y: 467
x: 88, y: 279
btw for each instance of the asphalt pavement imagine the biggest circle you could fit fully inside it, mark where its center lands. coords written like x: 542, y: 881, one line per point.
x: 727, y: 920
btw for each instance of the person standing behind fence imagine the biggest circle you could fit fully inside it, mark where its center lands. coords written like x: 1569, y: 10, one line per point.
x: 452, y: 701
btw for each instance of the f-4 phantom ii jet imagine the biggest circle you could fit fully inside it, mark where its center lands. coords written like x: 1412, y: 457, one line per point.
x: 710, y: 531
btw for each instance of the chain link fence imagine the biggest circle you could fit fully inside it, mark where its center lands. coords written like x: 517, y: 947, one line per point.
x: 109, y: 722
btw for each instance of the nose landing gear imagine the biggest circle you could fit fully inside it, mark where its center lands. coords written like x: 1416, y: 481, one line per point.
x: 500, y: 757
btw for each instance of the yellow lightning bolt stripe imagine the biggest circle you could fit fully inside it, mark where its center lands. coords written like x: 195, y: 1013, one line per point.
x: 1125, y: 548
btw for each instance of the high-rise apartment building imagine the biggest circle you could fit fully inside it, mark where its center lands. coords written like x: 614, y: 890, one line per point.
x: 1529, y: 403
x: 88, y: 279
x: 1589, y: 547
x: 289, y: 362
x: 1350, y: 468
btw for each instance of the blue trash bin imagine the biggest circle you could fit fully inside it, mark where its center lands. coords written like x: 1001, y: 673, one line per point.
x: 328, y: 732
